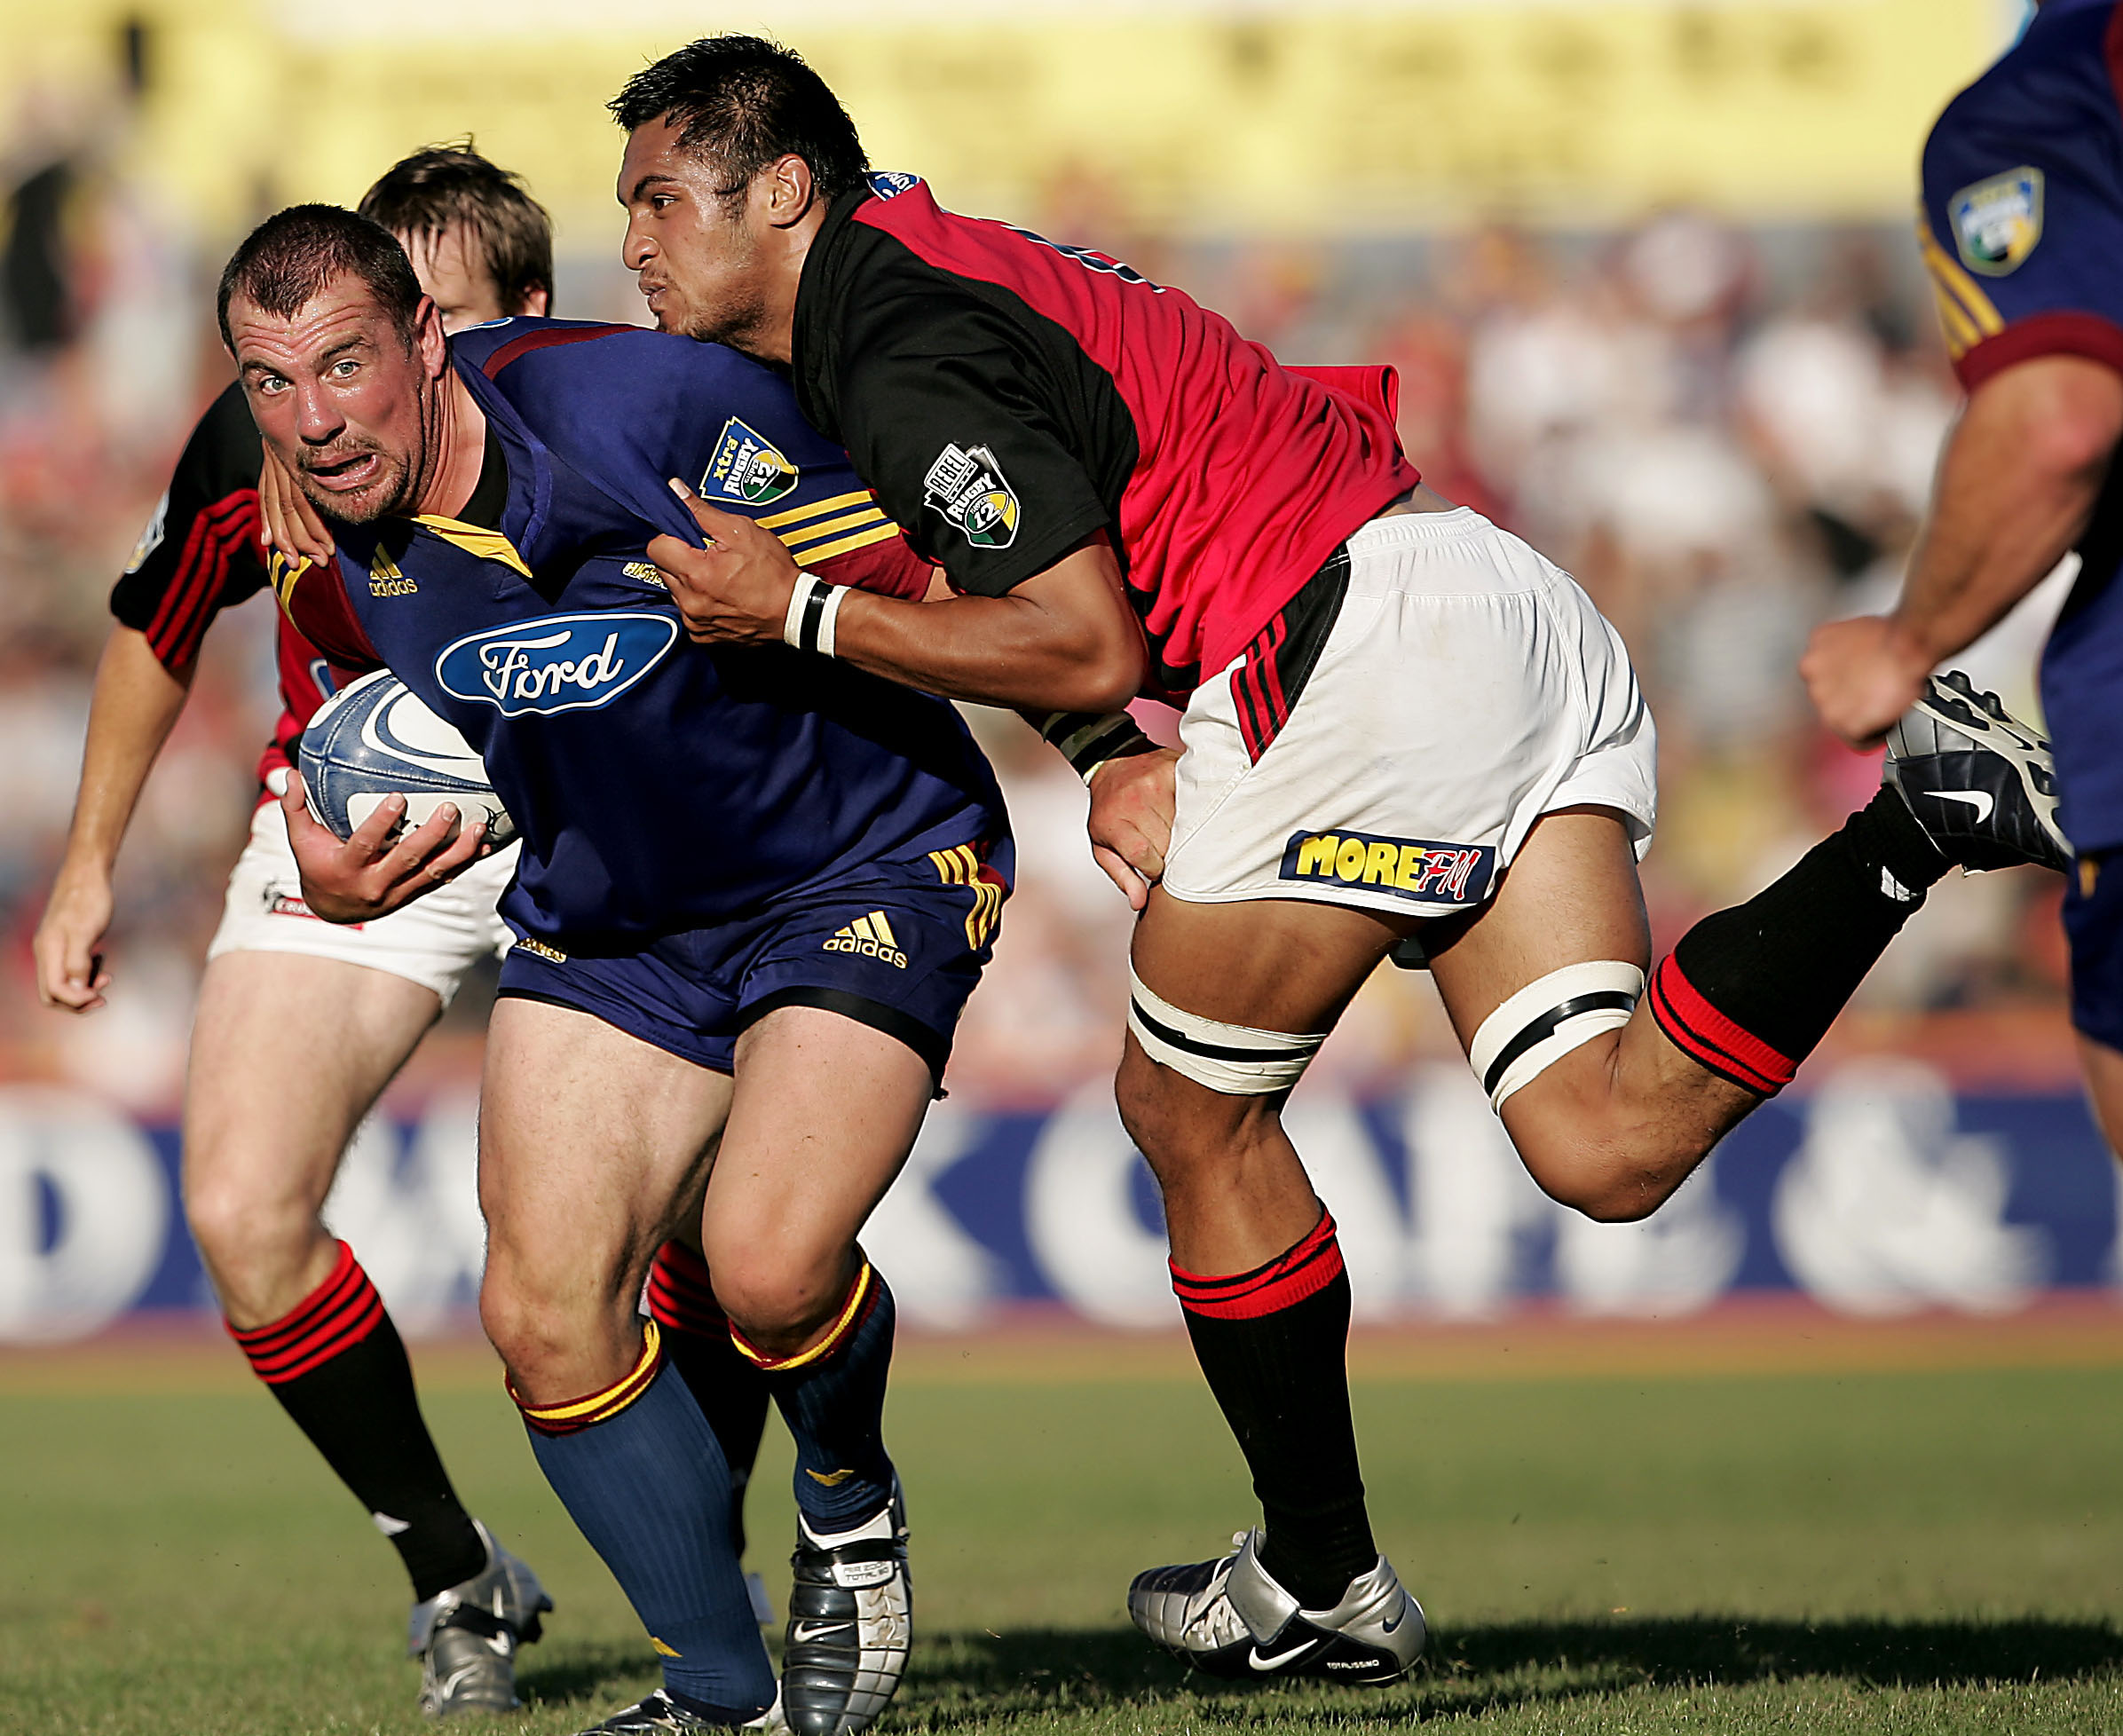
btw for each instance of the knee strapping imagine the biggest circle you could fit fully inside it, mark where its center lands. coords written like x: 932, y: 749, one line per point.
x: 1235, y: 1059
x: 1548, y: 1018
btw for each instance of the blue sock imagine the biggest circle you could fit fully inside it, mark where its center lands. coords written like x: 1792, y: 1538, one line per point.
x: 833, y: 1402
x: 640, y: 1472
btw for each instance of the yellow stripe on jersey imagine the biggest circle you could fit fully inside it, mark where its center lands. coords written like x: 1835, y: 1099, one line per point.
x: 1968, y: 315
x: 487, y: 544
x: 774, y: 521
x: 281, y: 577
x: 826, y: 551
x: 826, y: 527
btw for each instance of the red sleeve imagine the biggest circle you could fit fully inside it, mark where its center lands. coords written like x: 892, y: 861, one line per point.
x: 315, y: 600
x: 889, y: 567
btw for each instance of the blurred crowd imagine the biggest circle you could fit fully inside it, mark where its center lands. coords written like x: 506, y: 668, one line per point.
x: 1726, y: 435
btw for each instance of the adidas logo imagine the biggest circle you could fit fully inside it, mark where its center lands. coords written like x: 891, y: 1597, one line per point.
x: 870, y: 937
x: 386, y: 579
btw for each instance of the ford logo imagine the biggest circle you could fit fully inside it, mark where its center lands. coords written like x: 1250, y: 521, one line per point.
x: 558, y: 663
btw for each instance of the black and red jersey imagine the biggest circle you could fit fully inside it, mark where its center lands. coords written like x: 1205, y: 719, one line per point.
x: 1005, y: 398
x: 201, y: 553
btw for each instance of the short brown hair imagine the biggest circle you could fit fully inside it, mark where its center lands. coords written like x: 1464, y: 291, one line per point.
x: 446, y: 186
x: 287, y: 260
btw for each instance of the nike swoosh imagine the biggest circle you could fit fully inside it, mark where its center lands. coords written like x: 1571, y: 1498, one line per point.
x: 1254, y: 1658
x: 1979, y: 800
x: 1399, y: 1615
x: 804, y: 1632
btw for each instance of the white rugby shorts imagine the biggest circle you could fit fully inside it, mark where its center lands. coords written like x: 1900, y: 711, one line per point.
x: 433, y: 941
x: 1466, y: 688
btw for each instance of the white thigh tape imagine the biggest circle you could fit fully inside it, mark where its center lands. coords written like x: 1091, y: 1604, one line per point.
x: 1547, y: 1019
x: 1235, y: 1059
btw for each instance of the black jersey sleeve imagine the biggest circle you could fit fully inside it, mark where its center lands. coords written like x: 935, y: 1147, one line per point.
x: 200, y: 552
x: 944, y: 407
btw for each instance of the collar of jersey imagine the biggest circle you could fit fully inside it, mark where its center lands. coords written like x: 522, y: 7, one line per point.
x: 474, y: 539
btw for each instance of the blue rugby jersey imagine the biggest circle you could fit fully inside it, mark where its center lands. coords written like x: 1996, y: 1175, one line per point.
x: 659, y: 786
x: 2022, y: 229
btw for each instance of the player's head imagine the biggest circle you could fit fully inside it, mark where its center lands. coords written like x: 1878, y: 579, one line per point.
x: 734, y: 150
x: 341, y: 357
x: 480, y: 245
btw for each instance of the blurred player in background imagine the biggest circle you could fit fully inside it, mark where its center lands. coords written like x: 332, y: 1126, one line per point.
x: 1387, y: 701
x: 2022, y: 228
x: 288, y: 998
x: 754, y: 891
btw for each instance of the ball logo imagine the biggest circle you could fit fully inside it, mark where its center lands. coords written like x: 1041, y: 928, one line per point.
x: 558, y: 663
x: 404, y: 730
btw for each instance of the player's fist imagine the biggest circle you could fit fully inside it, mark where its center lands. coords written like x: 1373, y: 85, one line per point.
x: 1131, y: 821
x: 70, y: 974
x: 735, y: 591
x: 1862, y: 674
x: 379, y: 869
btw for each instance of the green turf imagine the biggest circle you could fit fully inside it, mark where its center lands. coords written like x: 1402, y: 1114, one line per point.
x: 1881, y: 1553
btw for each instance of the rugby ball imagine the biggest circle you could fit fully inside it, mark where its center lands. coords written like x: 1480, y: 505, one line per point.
x: 375, y: 738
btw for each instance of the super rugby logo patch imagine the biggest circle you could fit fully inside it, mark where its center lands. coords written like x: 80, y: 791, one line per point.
x: 747, y: 467
x: 559, y: 663
x: 1406, y: 867
x: 1997, y: 223
x: 151, y: 539
x: 968, y: 486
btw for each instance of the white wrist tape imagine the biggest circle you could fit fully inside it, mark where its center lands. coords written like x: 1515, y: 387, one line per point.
x: 1235, y: 1059
x: 1548, y: 1018
x: 814, y: 606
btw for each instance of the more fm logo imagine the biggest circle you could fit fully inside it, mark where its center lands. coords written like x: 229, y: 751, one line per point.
x: 1412, y: 868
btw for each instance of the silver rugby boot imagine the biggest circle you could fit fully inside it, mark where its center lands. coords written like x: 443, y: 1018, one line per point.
x: 1228, y: 1617
x: 466, y: 1638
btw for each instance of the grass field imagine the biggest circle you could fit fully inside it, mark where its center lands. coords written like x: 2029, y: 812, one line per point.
x: 1935, y: 1549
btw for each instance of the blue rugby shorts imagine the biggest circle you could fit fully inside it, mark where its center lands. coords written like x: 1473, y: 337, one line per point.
x: 897, y: 946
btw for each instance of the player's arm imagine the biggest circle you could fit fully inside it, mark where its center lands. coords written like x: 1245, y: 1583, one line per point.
x: 198, y: 555
x: 378, y: 870
x: 135, y: 705
x: 2016, y: 485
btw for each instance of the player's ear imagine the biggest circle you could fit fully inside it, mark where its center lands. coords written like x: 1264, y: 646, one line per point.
x: 429, y: 339
x: 789, y: 190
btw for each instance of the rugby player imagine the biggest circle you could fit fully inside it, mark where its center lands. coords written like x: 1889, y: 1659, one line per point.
x: 755, y: 889
x: 2022, y: 228
x: 1387, y: 703
x: 287, y: 997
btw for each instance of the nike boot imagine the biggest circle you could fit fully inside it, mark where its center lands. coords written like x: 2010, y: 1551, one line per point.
x: 1228, y: 1618
x: 466, y: 1638
x: 1979, y: 781
x: 659, y: 1715
x: 851, y: 1621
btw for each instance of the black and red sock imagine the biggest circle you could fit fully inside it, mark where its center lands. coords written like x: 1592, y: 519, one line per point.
x: 338, y: 1367
x: 1273, y: 1345
x: 1749, y: 991
x: 728, y: 1388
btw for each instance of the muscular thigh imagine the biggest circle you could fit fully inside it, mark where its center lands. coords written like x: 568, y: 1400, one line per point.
x: 288, y: 1052
x: 1570, y: 896
x: 593, y: 1145
x: 826, y: 1110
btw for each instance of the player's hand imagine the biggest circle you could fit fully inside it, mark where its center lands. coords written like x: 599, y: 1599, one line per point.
x: 736, y: 590
x: 1130, y: 822
x: 291, y: 525
x: 1863, y: 674
x: 70, y: 974
x: 369, y: 875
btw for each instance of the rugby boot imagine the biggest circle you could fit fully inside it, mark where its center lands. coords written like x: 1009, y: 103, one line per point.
x: 1980, y: 782
x: 851, y: 1621
x: 466, y: 1638
x: 659, y: 1715
x: 1228, y: 1617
